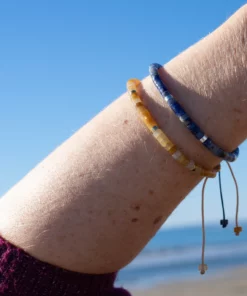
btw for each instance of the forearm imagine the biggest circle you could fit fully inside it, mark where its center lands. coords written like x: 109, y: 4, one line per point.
x: 94, y: 203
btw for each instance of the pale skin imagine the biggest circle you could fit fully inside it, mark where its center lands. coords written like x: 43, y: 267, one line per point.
x: 94, y: 203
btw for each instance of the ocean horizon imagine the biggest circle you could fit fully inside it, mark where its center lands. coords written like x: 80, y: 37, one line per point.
x: 175, y: 254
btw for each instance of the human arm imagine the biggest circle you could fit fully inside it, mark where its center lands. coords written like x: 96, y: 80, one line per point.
x: 94, y: 203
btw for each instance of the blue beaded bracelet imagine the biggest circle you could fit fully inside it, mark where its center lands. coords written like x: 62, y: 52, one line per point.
x: 186, y: 120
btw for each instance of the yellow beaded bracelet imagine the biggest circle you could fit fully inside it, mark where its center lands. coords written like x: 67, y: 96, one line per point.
x: 165, y: 142
x: 161, y: 137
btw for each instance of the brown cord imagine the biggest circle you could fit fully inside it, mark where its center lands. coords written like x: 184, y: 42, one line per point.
x: 203, y: 267
x: 237, y: 228
x: 237, y: 193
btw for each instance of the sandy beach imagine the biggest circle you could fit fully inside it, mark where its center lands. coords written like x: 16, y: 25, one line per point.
x: 225, y: 284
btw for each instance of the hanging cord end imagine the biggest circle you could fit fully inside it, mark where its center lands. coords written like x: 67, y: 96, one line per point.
x: 224, y: 223
x: 237, y: 230
x: 203, y: 268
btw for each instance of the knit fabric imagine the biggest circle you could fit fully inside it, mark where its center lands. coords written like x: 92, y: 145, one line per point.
x: 24, y: 275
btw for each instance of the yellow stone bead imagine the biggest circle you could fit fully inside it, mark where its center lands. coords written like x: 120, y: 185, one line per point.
x: 191, y: 166
x: 139, y: 104
x: 143, y: 112
x: 173, y: 149
x: 166, y: 144
x: 206, y: 173
x: 150, y: 123
x: 136, y: 81
x: 162, y: 139
x: 134, y: 96
x: 183, y: 160
x: 136, y: 101
x: 131, y: 84
x: 157, y: 133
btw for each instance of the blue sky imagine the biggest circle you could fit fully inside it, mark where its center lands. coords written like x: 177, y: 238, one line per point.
x: 61, y: 62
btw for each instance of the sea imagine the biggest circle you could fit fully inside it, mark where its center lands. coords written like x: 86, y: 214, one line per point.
x: 175, y: 254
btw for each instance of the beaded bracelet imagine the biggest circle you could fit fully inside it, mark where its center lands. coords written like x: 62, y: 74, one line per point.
x: 161, y: 137
x: 208, y: 143
x: 186, y: 120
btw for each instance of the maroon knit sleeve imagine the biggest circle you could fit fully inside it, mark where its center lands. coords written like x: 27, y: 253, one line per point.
x: 24, y: 275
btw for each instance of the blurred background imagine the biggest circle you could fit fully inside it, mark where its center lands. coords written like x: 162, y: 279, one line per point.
x: 61, y: 62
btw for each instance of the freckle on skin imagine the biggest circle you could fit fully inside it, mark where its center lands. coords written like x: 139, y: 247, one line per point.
x: 134, y: 220
x: 136, y: 207
x: 126, y: 121
x: 157, y: 220
x: 243, y: 40
x: 151, y: 192
x: 237, y: 110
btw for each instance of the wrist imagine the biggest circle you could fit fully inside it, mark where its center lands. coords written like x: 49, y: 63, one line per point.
x: 209, y: 88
